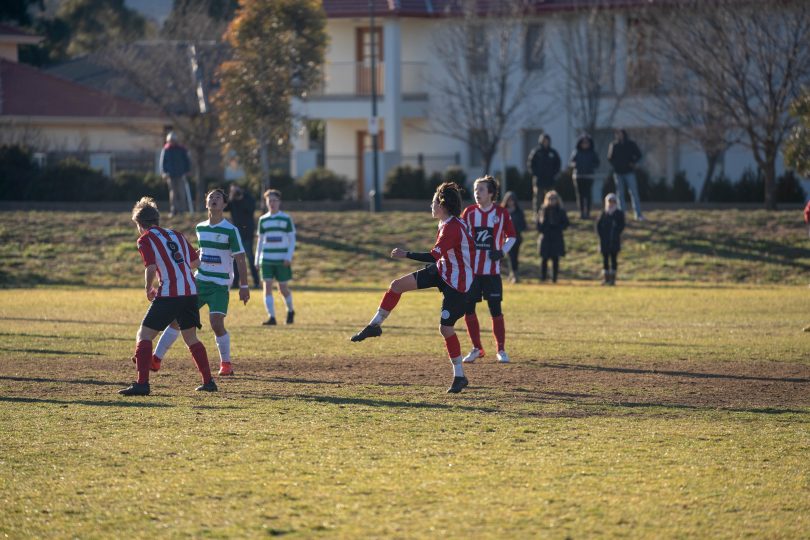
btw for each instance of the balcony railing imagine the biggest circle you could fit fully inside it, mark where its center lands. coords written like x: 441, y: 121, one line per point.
x: 354, y: 79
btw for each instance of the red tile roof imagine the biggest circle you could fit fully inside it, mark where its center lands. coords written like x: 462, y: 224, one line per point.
x: 439, y: 8
x: 17, y: 35
x: 27, y: 91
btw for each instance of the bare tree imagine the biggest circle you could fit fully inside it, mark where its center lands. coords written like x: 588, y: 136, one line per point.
x: 162, y: 73
x: 587, y: 60
x: 747, y: 63
x: 486, y: 84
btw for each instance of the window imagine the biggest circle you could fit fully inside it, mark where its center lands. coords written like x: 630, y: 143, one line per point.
x: 643, y: 70
x: 533, y: 48
x: 477, y: 50
x: 101, y: 162
x: 477, y: 138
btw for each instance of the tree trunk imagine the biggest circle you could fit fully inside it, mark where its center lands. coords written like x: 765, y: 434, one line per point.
x: 769, y: 170
x: 712, y: 158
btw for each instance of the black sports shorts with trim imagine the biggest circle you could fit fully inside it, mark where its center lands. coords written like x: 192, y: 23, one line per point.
x: 165, y: 309
x: 486, y: 287
x: 453, y: 303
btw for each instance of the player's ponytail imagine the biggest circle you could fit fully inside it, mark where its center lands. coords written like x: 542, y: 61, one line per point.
x: 448, y: 195
x: 145, y: 212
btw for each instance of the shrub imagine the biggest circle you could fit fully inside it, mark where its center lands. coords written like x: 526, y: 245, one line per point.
x: 518, y: 182
x: 788, y: 189
x: 405, y: 182
x: 456, y: 174
x: 682, y: 190
x: 131, y: 185
x: 608, y: 186
x: 659, y: 191
x: 17, y: 172
x: 750, y: 188
x: 720, y: 189
x: 322, y: 184
x: 433, y: 182
x: 565, y: 186
x: 71, y: 180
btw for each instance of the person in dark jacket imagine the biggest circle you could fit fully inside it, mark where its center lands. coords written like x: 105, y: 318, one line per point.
x: 624, y: 155
x: 510, y: 202
x: 609, y: 228
x: 544, y: 163
x: 584, y: 161
x: 243, y: 209
x: 551, y: 223
x: 174, y: 166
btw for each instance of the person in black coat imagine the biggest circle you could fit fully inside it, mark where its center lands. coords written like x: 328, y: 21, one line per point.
x: 584, y: 161
x: 243, y: 208
x: 544, y: 163
x: 624, y: 155
x: 510, y: 202
x: 610, y: 227
x: 552, y: 221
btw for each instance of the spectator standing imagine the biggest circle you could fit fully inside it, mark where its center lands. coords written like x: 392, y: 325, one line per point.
x: 552, y: 221
x: 584, y: 161
x: 174, y: 166
x: 510, y: 203
x: 544, y: 163
x: 624, y: 155
x: 243, y: 207
x: 609, y: 228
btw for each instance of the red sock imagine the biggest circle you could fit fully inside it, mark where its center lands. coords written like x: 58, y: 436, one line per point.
x: 390, y: 300
x: 474, y: 330
x: 143, y: 360
x: 499, y: 331
x: 453, y: 346
x: 200, y: 357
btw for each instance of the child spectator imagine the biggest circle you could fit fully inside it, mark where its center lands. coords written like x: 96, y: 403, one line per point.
x: 167, y: 255
x: 584, y: 161
x: 512, y: 206
x: 610, y: 227
x: 552, y: 221
x: 450, y: 271
x: 274, y: 254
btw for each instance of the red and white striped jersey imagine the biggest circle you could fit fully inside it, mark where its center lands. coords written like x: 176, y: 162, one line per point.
x: 171, y: 253
x: 490, y: 230
x: 454, y: 252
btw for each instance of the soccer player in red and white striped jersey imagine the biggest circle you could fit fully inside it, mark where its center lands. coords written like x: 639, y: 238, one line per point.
x: 494, y: 236
x: 168, y: 256
x: 451, y: 272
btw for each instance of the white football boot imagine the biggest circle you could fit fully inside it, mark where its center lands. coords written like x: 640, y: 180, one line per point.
x: 474, y: 355
x: 503, y: 358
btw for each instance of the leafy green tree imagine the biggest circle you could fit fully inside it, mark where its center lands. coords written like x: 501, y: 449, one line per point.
x: 277, y: 50
x: 797, y: 148
x: 19, y: 11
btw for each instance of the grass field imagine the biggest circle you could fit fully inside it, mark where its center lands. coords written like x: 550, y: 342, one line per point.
x: 98, y: 249
x: 642, y: 411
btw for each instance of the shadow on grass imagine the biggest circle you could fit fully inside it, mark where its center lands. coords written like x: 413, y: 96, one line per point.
x: 65, y: 321
x: 56, y: 336
x: 354, y: 249
x: 49, y: 351
x: 753, y: 410
x: 691, y: 374
x: 64, y: 381
x: 104, y: 403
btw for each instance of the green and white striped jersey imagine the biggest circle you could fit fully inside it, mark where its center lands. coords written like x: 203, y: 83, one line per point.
x: 218, y: 244
x: 276, y: 238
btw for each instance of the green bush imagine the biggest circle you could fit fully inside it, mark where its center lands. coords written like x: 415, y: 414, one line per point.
x: 565, y: 186
x: 71, y: 180
x: 322, y: 184
x: 681, y: 190
x: 17, y: 172
x: 720, y: 189
x: 456, y: 174
x: 131, y: 185
x: 518, y: 182
x: 405, y: 182
x: 788, y: 189
x: 433, y: 182
x: 750, y: 188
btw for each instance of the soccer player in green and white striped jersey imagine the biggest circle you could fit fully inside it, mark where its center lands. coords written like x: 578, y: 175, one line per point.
x: 274, y: 253
x: 220, y: 245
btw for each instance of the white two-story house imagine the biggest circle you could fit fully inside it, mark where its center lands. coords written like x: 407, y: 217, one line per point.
x: 405, y: 50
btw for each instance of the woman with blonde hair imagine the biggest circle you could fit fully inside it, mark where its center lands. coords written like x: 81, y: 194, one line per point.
x: 552, y: 220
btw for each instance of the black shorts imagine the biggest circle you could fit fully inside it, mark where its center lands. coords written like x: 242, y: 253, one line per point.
x: 486, y: 287
x: 454, y: 302
x: 166, y: 309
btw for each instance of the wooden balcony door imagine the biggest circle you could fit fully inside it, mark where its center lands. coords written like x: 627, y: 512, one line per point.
x: 363, y: 59
x: 364, y: 145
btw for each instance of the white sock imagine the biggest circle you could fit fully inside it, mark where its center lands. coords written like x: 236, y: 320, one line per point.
x: 379, y: 317
x: 288, y: 301
x: 166, y: 341
x: 224, y: 346
x: 458, y: 367
x: 268, y: 303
